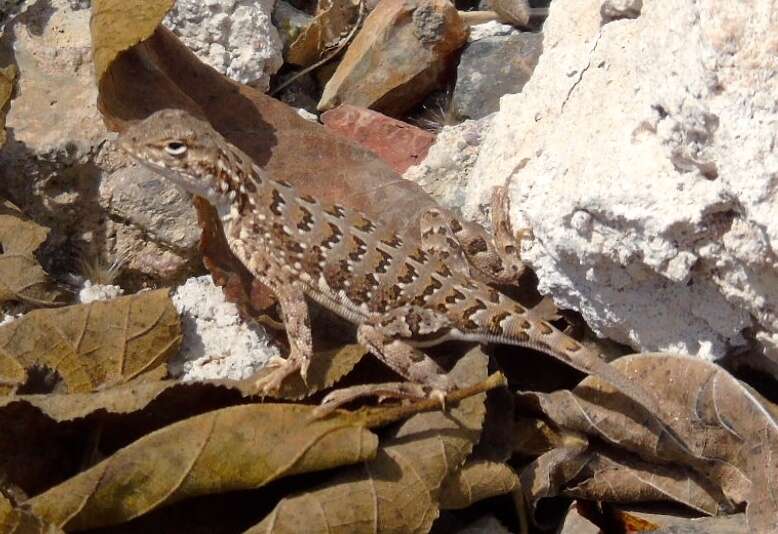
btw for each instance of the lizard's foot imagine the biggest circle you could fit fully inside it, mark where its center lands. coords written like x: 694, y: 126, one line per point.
x: 396, y: 390
x: 281, y: 368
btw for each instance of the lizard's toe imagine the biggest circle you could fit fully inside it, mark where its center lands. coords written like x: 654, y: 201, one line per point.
x: 280, y: 369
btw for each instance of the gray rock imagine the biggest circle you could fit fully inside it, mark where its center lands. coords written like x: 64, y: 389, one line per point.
x: 236, y: 37
x: 620, y: 9
x: 493, y: 67
x: 289, y: 21
x: 140, y: 197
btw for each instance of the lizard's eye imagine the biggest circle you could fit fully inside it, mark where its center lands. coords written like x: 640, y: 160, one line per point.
x: 175, y: 148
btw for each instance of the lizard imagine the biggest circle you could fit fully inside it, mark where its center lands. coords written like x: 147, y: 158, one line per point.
x: 402, y: 293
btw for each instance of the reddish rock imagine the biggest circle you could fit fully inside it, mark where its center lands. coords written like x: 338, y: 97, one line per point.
x: 399, y: 144
x: 398, y: 57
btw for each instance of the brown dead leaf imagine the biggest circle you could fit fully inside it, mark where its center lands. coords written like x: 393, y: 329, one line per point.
x: 327, y: 367
x: 160, y: 72
x: 333, y: 20
x: 477, y: 481
x: 547, y: 475
x: 21, y: 276
x: 7, y: 76
x: 399, y: 490
x: 720, y: 418
x: 614, y: 477
x: 117, y: 25
x: 234, y: 448
x: 14, y: 520
x: 534, y: 437
x: 91, y: 345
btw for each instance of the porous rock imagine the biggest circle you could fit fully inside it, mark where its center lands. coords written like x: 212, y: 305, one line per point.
x: 236, y: 37
x: 398, y: 56
x: 445, y: 171
x: 216, y: 343
x: 641, y: 155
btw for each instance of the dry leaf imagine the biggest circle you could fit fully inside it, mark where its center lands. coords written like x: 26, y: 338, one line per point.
x: 161, y: 73
x: 234, y: 448
x: 15, y: 520
x: 477, y: 481
x: 117, y: 25
x: 534, y: 437
x: 547, y: 475
x: 334, y: 19
x: 397, y: 491
x: 21, y: 276
x: 614, y: 477
x: 326, y: 369
x: 7, y: 76
x: 91, y: 345
x: 720, y: 418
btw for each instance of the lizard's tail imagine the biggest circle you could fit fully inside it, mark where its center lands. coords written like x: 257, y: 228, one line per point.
x: 544, y: 337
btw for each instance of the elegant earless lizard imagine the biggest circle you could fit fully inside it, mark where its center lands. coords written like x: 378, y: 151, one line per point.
x: 403, y: 294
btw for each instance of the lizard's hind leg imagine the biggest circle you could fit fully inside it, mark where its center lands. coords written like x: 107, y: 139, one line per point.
x: 426, y: 378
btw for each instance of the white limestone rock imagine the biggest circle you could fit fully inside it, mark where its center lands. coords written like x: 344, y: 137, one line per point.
x: 492, y: 28
x: 217, y: 342
x: 236, y: 37
x: 445, y: 171
x: 641, y: 154
x: 91, y: 292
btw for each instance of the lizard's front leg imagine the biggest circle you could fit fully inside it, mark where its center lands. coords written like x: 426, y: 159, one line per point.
x: 466, y: 247
x: 427, y: 378
x: 296, y: 318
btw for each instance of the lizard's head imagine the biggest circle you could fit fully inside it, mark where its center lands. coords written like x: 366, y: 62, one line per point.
x: 178, y: 146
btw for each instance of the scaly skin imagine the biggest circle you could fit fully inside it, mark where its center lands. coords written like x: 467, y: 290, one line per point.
x: 402, y: 294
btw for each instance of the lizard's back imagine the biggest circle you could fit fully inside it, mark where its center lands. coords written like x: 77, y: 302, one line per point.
x: 363, y: 270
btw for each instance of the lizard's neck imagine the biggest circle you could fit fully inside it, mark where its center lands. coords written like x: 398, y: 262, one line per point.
x: 237, y: 180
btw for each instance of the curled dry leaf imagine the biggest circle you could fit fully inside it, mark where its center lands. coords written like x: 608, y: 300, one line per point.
x: 477, y: 481
x: 720, y: 418
x: 141, y: 70
x: 14, y: 520
x: 224, y: 450
x: 607, y: 476
x: 21, y: 276
x: 91, y: 345
x: 548, y: 474
x: 399, y: 490
x: 7, y: 76
x: 334, y: 19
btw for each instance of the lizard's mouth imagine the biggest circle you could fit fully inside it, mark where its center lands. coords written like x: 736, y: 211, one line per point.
x: 184, y: 181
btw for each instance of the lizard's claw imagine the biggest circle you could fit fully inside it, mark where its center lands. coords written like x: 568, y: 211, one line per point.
x: 280, y: 369
x: 440, y: 396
